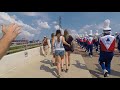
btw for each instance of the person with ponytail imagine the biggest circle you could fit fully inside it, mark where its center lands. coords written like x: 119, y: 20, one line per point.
x: 57, y: 43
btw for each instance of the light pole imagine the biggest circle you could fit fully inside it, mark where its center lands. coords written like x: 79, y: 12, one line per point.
x: 60, y: 22
x: 60, y: 26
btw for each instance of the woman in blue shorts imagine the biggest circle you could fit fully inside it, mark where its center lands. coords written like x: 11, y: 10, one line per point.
x: 57, y: 43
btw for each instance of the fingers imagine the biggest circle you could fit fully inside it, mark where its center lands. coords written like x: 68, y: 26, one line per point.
x: 18, y: 30
x: 11, y: 28
x: 15, y: 26
x: 3, y: 27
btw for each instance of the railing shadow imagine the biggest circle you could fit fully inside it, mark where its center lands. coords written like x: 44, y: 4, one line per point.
x: 113, y: 72
x: 80, y: 65
x: 46, y: 61
x: 47, y: 69
x: 98, y: 72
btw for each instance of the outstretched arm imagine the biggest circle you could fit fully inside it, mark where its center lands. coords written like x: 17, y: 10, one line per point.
x: 9, y: 34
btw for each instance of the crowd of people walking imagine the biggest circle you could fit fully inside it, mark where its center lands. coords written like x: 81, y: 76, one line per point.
x: 104, y: 44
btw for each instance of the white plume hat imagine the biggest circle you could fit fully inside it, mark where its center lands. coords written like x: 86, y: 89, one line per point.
x: 90, y: 33
x: 106, y: 26
x: 96, y: 33
x: 86, y: 34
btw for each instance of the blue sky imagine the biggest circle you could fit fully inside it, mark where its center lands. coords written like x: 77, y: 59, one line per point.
x: 39, y: 24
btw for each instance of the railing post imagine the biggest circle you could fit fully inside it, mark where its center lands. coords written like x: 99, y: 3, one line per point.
x: 25, y: 48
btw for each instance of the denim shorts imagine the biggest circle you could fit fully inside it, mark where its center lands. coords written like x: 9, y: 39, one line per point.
x: 59, y: 52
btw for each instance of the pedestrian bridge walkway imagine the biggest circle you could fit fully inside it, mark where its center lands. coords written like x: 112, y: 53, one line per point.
x: 38, y: 66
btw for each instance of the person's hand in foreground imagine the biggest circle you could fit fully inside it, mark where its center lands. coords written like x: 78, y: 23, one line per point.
x: 9, y: 34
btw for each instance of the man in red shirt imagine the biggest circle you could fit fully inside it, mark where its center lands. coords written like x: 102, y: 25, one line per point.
x: 107, y: 46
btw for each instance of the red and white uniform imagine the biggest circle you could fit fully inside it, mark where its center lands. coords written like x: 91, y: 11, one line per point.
x: 81, y: 39
x: 107, y: 43
x: 84, y: 39
x: 90, y: 40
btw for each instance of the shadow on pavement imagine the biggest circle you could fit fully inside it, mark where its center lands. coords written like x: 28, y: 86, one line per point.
x: 113, y: 72
x: 46, y: 61
x: 98, y: 72
x: 95, y: 73
x: 80, y: 65
x: 98, y: 67
x: 47, y: 69
x: 116, y: 54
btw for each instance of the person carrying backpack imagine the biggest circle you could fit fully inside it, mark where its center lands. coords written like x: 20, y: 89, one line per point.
x: 68, y: 50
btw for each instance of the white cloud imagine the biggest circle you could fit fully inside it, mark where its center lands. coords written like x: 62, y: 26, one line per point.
x: 115, y: 26
x: 4, y: 17
x: 14, y: 17
x: 27, y: 30
x: 41, y: 15
x: 27, y: 34
x: 31, y: 13
x: 56, y: 27
x: 43, y: 25
x: 54, y: 22
x: 92, y: 27
x: 73, y: 33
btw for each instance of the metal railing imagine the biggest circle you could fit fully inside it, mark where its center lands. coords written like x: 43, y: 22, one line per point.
x: 23, y: 47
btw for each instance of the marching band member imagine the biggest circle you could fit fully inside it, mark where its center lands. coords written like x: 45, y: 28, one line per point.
x: 85, y: 41
x: 90, y: 44
x: 118, y: 41
x: 81, y: 41
x: 96, y: 41
x: 107, y: 46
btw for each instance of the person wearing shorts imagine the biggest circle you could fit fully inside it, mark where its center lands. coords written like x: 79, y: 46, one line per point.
x: 57, y: 43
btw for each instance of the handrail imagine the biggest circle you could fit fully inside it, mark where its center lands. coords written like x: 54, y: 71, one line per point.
x: 23, y: 47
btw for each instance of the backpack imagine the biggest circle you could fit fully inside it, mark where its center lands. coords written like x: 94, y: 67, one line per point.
x: 72, y: 46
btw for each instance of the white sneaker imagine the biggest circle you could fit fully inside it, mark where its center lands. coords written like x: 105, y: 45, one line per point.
x: 105, y: 73
x: 91, y: 56
x: 108, y: 75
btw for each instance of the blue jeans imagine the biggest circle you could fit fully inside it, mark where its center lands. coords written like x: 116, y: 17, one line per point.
x: 90, y: 49
x: 105, y: 60
x: 96, y: 45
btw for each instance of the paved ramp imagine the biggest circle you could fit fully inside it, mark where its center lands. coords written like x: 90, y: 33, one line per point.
x: 40, y: 67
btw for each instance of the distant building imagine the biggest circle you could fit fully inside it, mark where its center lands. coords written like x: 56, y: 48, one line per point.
x: 19, y: 42
x: 35, y: 41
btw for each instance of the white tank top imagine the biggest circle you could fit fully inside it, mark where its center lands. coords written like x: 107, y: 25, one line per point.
x: 59, y: 45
